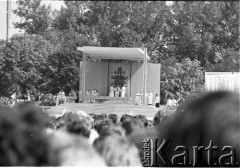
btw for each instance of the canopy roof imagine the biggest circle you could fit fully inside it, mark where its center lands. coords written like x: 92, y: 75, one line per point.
x: 114, y: 53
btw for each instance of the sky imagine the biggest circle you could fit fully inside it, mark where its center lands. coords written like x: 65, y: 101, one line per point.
x: 13, y: 18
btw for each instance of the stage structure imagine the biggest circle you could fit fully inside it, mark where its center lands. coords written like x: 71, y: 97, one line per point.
x: 229, y: 81
x: 137, y: 74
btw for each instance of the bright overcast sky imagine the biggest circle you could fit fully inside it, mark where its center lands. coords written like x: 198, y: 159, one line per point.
x: 13, y: 18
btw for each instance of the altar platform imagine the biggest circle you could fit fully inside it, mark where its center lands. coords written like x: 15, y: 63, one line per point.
x: 106, y: 108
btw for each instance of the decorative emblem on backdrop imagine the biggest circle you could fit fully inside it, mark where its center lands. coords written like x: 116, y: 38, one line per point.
x: 119, y: 78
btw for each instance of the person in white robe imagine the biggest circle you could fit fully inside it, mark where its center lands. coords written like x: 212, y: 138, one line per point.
x: 137, y: 99
x: 150, y: 97
x: 141, y: 97
x: 111, y: 93
x: 123, y: 91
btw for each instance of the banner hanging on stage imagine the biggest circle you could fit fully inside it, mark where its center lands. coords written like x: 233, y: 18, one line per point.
x: 119, y: 74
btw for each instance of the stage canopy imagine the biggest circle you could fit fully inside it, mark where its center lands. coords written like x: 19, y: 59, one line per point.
x: 114, y: 53
x: 139, y: 54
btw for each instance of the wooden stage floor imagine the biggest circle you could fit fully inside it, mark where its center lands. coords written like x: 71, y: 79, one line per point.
x: 119, y: 109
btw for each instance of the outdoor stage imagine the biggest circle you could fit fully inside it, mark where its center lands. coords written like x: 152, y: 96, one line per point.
x: 119, y: 109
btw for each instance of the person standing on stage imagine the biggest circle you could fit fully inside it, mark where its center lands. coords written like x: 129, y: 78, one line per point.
x: 141, y: 97
x: 117, y: 92
x: 96, y: 93
x: 157, y: 101
x: 123, y: 91
x: 150, y: 97
x: 93, y: 95
x: 111, y: 93
x: 137, y: 98
x: 87, y: 97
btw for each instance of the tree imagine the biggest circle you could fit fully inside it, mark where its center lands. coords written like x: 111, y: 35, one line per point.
x: 35, y: 18
x: 226, y: 61
x: 199, y: 29
x: 184, y: 78
x: 24, y: 58
x: 116, y: 24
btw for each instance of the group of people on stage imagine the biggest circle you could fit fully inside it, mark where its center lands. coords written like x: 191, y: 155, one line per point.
x: 117, y: 91
x: 90, y: 95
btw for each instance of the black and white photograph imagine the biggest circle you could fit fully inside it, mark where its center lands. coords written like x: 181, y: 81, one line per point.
x: 119, y: 83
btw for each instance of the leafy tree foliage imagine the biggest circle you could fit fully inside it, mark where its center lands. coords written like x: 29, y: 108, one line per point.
x: 23, y: 63
x: 35, y: 18
x: 184, y: 78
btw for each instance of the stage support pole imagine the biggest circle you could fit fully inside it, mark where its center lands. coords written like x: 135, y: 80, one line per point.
x: 84, y: 77
x: 80, y: 87
x: 145, y: 76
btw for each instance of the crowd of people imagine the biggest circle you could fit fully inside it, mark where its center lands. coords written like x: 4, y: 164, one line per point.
x: 29, y: 137
x: 90, y: 95
x: 40, y: 99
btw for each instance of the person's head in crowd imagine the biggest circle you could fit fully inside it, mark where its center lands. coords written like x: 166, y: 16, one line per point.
x: 31, y: 114
x: 143, y: 119
x: 102, y: 123
x: 211, y: 117
x: 50, y: 124
x: 131, y: 124
x: 62, y: 120
x: 80, y: 126
x: 108, y: 131
x: 73, y: 150
x: 94, y: 116
x: 114, y: 118
x: 82, y: 113
x: 138, y: 136
x: 125, y: 116
x: 161, y: 117
x: 118, y: 151
x: 23, y: 141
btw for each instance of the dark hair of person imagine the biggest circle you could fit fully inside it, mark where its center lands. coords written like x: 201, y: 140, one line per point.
x: 125, y: 116
x: 79, y: 126
x: 113, y: 117
x: 22, y: 138
x: 143, y: 119
x: 132, y: 124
